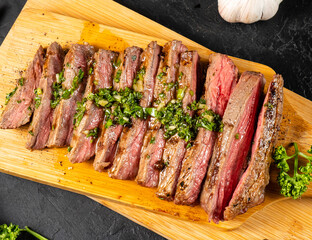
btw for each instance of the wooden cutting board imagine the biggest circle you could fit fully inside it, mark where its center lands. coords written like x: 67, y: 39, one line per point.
x: 22, y: 38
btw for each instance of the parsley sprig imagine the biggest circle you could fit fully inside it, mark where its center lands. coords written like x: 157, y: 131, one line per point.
x: 11, y: 232
x: 296, y: 185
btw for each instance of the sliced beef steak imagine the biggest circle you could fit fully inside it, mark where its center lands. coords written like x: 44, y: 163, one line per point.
x: 154, y: 141
x: 41, y: 124
x: 75, y: 73
x: 107, y: 142
x: 175, y: 147
x: 82, y: 143
x: 251, y: 187
x: 222, y: 76
x: 21, y: 105
x: 126, y: 163
x: 232, y: 146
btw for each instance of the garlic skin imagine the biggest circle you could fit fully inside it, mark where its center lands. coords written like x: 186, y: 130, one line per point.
x: 247, y: 11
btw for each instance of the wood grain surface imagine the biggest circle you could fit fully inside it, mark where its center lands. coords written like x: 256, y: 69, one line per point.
x: 32, y: 28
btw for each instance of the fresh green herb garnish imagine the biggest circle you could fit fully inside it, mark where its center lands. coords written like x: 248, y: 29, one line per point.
x: 31, y: 133
x: 237, y: 136
x: 38, y: 94
x: 76, y: 81
x: 152, y: 140
x: 269, y: 105
x: 21, y: 81
x: 69, y: 149
x: 117, y: 64
x: 160, y: 75
x: 117, y: 77
x: 90, y: 70
x: 80, y: 110
x: 12, y: 232
x: 93, y: 133
x: 9, y: 96
x: 296, y: 185
x: 140, y: 75
x: 180, y: 76
x: 19, y: 101
x: 60, y: 93
x: 171, y: 85
x: 180, y: 93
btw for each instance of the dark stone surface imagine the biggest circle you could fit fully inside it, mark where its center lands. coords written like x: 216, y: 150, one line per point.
x: 284, y: 43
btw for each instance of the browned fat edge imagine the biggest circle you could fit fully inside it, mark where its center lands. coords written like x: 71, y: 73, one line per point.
x: 107, y: 142
x: 83, y: 147
x: 41, y: 121
x: 175, y: 147
x: 21, y: 105
x: 251, y: 188
x: 78, y: 57
x: 126, y: 163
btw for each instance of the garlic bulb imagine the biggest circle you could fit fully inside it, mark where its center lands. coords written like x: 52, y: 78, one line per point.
x: 247, y: 11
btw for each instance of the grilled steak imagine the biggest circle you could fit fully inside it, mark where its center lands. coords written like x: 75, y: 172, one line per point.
x: 232, y: 146
x: 107, y: 142
x: 21, y: 105
x: 251, y: 187
x: 221, y: 78
x: 75, y: 74
x: 175, y: 147
x: 126, y: 163
x: 154, y: 141
x: 41, y: 124
x: 83, y: 146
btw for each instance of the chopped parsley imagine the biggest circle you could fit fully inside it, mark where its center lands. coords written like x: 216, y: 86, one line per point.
x: 60, y: 93
x: 31, y: 133
x: 38, y: 94
x: 152, y: 140
x: 180, y: 76
x: 80, y: 110
x: 21, y: 81
x: 237, y: 136
x: 140, y: 75
x: 69, y: 149
x: 269, y: 105
x: 133, y: 57
x: 117, y: 77
x: 116, y: 64
x: 9, y: 96
x: 93, y: 133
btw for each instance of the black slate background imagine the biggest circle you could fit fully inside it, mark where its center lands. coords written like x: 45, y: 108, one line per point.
x: 284, y: 43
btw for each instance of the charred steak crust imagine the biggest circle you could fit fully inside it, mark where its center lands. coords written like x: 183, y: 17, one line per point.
x: 154, y: 141
x: 232, y: 146
x: 126, y: 163
x: 42, y: 119
x: 108, y: 140
x: 251, y: 187
x: 76, y: 60
x: 222, y: 76
x: 21, y: 105
x: 83, y: 147
x: 175, y: 147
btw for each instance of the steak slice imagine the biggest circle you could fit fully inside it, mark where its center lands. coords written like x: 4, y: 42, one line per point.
x: 232, y: 146
x: 83, y: 146
x: 126, y: 163
x: 222, y: 76
x: 175, y: 147
x: 107, y: 142
x: 251, y: 187
x: 154, y: 141
x: 21, y: 105
x: 76, y: 63
x: 41, y: 123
